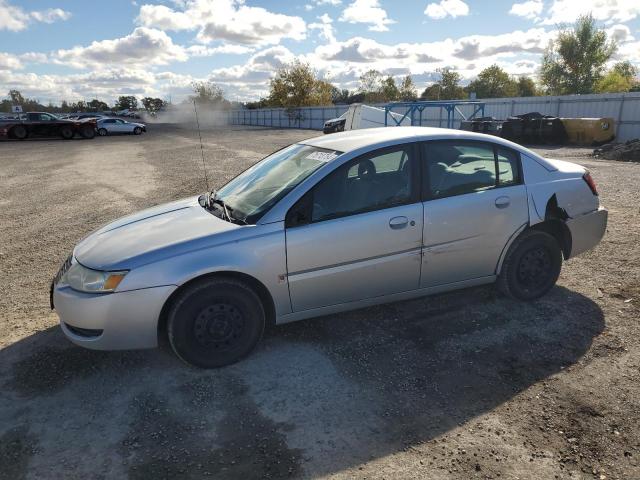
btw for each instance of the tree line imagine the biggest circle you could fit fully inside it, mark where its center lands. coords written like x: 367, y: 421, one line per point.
x: 574, y: 63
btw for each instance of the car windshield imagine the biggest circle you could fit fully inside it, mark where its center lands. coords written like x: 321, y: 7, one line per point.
x: 252, y: 193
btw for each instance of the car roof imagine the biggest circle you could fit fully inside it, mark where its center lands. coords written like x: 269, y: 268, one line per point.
x: 370, y: 137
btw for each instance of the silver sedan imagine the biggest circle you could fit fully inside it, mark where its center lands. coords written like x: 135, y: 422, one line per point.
x: 330, y: 224
x: 110, y: 126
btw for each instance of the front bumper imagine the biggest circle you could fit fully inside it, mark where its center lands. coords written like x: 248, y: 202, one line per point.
x: 587, y: 230
x: 111, y: 321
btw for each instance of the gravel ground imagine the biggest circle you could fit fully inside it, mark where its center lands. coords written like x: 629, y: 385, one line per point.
x: 462, y: 385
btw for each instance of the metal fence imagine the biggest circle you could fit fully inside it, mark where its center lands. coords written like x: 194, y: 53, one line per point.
x: 624, y: 108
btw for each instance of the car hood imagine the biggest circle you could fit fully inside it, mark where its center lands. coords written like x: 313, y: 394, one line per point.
x: 152, y: 234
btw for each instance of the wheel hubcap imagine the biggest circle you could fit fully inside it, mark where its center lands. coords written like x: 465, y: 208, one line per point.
x: 534, y: 268
x: 218, y: 326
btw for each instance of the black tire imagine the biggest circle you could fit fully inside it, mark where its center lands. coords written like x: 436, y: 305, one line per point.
x: 66, y: 132
x: 215, y: 322
x: 137, y: 131
x: 19, y: 132
x: 531, y: 267
x: 102, y: 132
x: 87, y: 132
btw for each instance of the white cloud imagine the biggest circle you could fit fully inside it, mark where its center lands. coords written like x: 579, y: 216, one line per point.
x: 15, y: 18
x: 105, y: 84
x: 143, y: 47
x: 447, y: 8
x: 325, y: 26
x: 530, y: 9
x: 608, y: 11
x: 225, y: 20
x: 164, y: 18
x: 205, y: 51
x: 257, y: 70
x: 9, y: 62
x: 620, y: 33
x: 369, y: 12
x: 50, y: 15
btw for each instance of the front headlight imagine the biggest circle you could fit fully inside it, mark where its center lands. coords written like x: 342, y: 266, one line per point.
x: 85, y: 279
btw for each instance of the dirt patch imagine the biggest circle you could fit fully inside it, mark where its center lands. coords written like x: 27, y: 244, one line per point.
x: 165, y: 443
x: 17, y: 446
x: 51, y: 369
x: 626, y: 152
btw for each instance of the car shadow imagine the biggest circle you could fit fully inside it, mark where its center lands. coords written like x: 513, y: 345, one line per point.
x: 316, y: 398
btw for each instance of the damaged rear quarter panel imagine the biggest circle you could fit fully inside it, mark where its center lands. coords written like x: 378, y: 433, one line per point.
x: 562, y: 179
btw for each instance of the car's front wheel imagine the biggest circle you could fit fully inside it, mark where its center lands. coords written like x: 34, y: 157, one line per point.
x: 137, y: 131
x: 531, y: 267
x: 215, y: 322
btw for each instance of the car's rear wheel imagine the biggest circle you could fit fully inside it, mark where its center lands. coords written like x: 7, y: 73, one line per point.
x: 215, y: 322
x: 88, y: 132
x: 137, y: 131
x: 531, y: 267
x: 66, y: 133
x: 102, y: 132
x: 19, y: 132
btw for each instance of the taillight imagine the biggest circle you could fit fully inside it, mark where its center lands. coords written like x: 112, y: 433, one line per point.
x: 592, y: 185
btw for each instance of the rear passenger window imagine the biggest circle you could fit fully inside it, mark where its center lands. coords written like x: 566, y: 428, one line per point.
x: 455, y: 168
x: 460, y: 167
x: 508, y: 167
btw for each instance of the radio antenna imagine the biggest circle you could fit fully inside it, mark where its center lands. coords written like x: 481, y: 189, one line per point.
x: 204, y: 166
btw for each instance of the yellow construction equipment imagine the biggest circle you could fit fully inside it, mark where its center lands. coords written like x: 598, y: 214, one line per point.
x: 589, y: 131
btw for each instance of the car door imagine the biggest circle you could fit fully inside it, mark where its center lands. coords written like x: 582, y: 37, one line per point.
x: 40, y: 124
x: 358, y: 233
x: 474, y: 202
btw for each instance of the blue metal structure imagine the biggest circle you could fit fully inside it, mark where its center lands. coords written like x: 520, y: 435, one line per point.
x: 451, y: 107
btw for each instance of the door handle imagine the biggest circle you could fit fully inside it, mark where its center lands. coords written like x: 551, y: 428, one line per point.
x: 503, y: 202
x: 397, y: 223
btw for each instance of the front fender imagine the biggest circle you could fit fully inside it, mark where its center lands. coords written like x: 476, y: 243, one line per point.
x: 261, y: 256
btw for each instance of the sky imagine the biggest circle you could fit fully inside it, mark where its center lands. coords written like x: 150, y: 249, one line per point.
x: 79, y: 50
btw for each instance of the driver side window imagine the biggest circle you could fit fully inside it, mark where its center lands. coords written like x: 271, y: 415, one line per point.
x: 376, y: 181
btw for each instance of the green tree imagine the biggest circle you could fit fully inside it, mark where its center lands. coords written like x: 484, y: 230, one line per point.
x: 297, y: 85
x: 208, y: 93
x: 613, y: 82
x: 626, y: 69
x: 97, y: 106
x: 126, y: 103
x: 575, y: 60
x: 527, y: 87
x: 153, y: 105
x: 447, y: 88
x: 389, y: 90
x: 408, y: 91
x: 371, y: 86
x: 339, y: 96
x: 493, y: 82
x: 16, y: 97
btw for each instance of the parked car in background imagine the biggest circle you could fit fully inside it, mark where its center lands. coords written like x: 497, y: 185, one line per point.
x: 42, y: 124
x: 110, y: 126
x: 329, y: 224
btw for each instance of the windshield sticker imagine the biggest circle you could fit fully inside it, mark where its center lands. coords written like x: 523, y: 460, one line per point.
x: 322, y: 156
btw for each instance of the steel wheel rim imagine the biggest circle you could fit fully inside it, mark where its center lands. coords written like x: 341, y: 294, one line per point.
x: 535, y: 267
x: 219, y: 326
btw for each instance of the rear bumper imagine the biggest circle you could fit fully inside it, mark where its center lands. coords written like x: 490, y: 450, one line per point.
x: 114, y: 321
x: 587, y: 230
